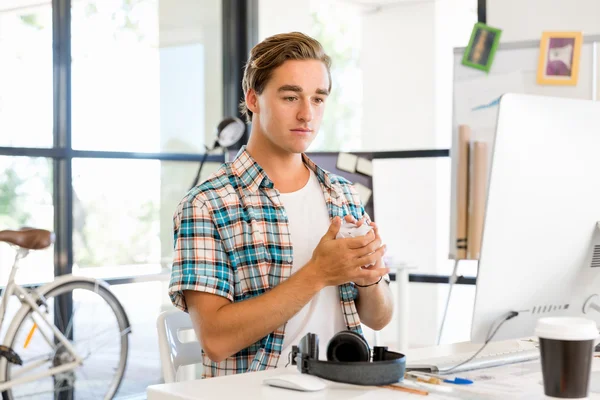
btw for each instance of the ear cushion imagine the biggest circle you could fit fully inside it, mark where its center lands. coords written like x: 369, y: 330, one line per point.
x: 348, y: 346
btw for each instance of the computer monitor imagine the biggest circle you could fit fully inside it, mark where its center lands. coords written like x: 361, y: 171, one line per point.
x: 540, y: 252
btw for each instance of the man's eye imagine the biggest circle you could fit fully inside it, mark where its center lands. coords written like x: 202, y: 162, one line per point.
x: 292, y: 98
x: 319, y: 100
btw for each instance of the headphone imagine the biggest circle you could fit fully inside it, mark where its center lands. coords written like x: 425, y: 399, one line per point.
x: 349, y: 360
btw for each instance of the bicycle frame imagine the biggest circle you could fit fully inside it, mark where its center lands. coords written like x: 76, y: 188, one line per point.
x: 24, y: 296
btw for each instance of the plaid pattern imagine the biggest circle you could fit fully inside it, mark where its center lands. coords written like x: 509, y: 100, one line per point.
x: 232, y: 239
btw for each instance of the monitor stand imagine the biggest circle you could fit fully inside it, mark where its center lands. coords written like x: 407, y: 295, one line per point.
x: 592, y: 305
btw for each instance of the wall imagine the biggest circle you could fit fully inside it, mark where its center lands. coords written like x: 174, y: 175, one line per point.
x: 277, y: 16
x: 526, y: 20
x: 398, y: 77
x: 185, y: 24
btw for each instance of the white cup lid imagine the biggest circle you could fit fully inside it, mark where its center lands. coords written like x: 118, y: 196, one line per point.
x: 566, y: 328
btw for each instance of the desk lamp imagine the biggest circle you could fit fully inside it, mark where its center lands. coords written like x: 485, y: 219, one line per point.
x: 229, y: 131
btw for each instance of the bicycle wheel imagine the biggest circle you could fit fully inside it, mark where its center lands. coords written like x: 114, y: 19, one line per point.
x: 99, y: 329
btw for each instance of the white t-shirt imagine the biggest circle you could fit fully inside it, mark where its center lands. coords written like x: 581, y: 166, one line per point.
x: 309, y: 221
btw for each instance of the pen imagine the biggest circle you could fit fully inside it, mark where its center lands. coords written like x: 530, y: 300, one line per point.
x: 406, y: 389
x: 459, y: 381
x: 438, y: 380
x: 430, y: 379
x: 431, y: 387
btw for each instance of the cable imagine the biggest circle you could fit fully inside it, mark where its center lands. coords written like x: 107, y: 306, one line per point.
x: 197, y: 178
x: 510, y: 315
x: 289, y: 359
x: 452, y: 281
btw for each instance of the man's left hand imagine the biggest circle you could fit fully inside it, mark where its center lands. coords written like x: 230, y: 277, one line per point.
x: 375, y: 233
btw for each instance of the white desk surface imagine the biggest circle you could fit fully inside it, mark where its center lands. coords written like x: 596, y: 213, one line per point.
x: 250, y: 386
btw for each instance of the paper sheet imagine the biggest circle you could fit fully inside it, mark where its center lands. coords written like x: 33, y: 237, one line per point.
x: 347, y: 162
x: 364, y: 166
x: 521, y: 381
x: 516, y: 381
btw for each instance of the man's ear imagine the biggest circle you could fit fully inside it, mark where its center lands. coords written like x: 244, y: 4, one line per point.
x: 252, y: 101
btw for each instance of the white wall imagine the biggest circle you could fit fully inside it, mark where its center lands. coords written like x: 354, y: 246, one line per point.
x: 407, y: 215
x: 397, y: 61
x: 190, y: 22
x: 279, y: 16
x: 527, y: 19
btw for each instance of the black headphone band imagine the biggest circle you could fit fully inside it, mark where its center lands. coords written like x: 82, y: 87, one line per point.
x: 390, y: 368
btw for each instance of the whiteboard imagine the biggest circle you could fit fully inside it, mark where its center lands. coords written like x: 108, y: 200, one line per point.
x: 476, y: 94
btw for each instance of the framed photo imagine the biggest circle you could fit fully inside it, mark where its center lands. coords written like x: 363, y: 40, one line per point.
x: 482, y: 47
x: 559, y: 58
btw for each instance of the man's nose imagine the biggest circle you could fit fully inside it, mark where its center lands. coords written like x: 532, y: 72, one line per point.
x: 306, y: 111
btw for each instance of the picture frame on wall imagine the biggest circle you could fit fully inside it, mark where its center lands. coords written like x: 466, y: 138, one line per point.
x: 559, y: 58
x: 482, y: 47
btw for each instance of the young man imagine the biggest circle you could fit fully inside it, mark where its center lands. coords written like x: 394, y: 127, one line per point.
x: 257, y: 264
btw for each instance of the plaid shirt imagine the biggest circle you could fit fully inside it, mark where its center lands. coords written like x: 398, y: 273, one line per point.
x: 232, y: 239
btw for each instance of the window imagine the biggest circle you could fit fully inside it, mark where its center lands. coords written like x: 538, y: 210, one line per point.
x: 146, y: 75
x: 26, y: 200
x: 26, y: 78
x: 123, y: 213
x: 337, y: 25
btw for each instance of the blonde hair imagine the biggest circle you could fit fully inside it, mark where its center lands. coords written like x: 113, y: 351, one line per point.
x: 271, y: 53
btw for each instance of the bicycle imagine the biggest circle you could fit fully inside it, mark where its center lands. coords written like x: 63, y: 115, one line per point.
x: 49, y: 358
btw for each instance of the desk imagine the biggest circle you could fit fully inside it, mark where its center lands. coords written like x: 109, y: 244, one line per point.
x: 249, y: 386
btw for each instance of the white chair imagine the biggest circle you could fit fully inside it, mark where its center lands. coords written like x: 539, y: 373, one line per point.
x: 174, y: 353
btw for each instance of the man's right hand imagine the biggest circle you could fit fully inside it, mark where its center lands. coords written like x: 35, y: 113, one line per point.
x: 338, y: 261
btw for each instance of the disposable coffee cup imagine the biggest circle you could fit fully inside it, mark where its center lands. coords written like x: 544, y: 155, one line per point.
x: 566, y: 349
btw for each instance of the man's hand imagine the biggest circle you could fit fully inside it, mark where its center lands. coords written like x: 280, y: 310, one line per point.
x: 338, y: 261
x: 375, y: 302
x: 379, y: 262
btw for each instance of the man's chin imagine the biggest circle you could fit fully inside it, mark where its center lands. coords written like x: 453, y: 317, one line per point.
x: 293, y: 146
x: 299, y: 148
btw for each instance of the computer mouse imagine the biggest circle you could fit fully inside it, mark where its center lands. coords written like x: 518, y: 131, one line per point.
x: 301, y: 382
